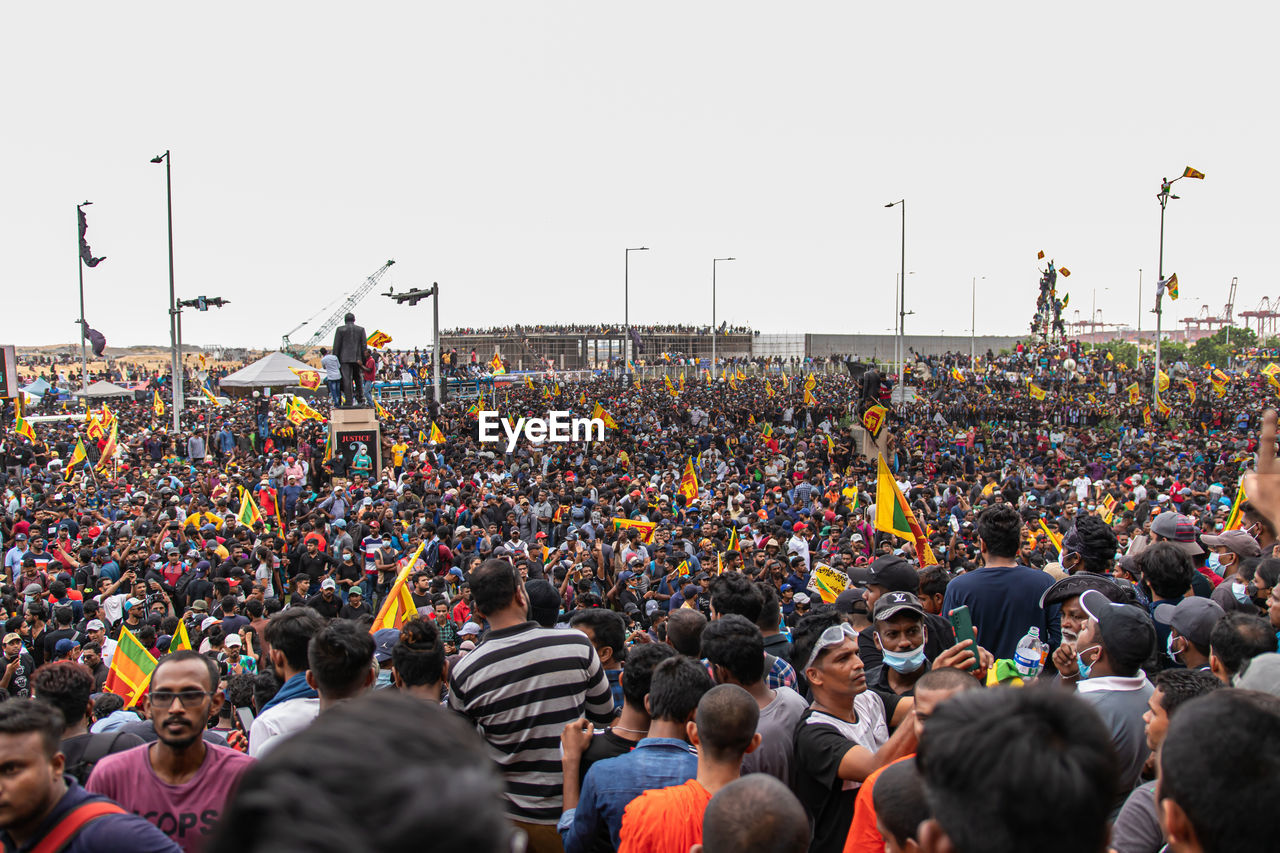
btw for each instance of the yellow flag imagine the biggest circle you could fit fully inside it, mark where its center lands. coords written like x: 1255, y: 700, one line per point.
x: 1163, y: 384
x: 810, y: 382
x: 1192, y: 173
x: 1135, y: 394
x: 809, y: 399
x: 78, y: 455
x: 1037, y: 392
x: 768, y: 389
x: 157, y: 405
x: 733, y: 381
x: 598, y: 413
x: 437, y: 437
x: 377, y: 408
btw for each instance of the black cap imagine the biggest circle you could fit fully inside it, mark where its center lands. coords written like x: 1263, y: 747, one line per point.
x: 894, y: 574
x: 1077, y: 584
x: 1124, y: 627
x: 850, y: 600
x: 892, y: 603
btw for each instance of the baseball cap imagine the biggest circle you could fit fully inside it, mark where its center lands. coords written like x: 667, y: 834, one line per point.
x: 208, y: 622
x: 1077, y: 584
x: 355, y: 590
x: 801, y: 598
x: 232, y: 640
x: 95, y: 625
x: 384, y: 640
x: 1259, y: 673
x: 847, y: 601
x: 1121, y: 626
x: 894, y: 574
x: 893, y: 603
x: 329, y: 583
x: 1192, y: 618
x: 1178, y: 529
x: 11, y: 636
x: 626, y: 576
x: 1237, y: 540
x: 469, y: 628
x: 200, y: 606
x: 63, y: 646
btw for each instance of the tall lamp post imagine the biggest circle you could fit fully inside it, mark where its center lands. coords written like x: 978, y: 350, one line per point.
x: 626, y: 298
x: 1164, y: 197
x: 175, y: 356
x: 973, y: 317
x: 902, y: 296
x: 714, y: 261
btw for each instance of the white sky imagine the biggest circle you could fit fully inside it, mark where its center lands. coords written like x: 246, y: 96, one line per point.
x: 512, y: 150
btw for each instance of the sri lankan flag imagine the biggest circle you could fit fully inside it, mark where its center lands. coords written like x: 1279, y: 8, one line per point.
x: 304, y: 411
x: 1146, y: 415
x: 1191, y: 390
x: 23, y: 428
x: 767, y: 432
x: 733, y: 381
x: 1036, y: 391
x: 398, y: 607
x: 598, y: 413
x: 1219, y: 381
x: 646, y: 528
x: 77, y: 456
x: 1135, y: 394
x: 689, y: 481
x: 437, y: 436
x: 1192, y: 173
x: 131, y: 668
x: 378, y: 339
x: 109, y: 449
x: 733, y: 540
x: 181, y: 639
x: 810, y: 382
x: 809, y: 399
x: 768, y: 389
x: 786, y: 383
x: 671, y: 388
x: 528, y: 382
x: 157, y: 405
x: 307, y: 378
x: 873, y: 419
x: 248, y: 514
x: 894, y: 515
x: 1108, y: 509
x: 495, y: 364
x: 209, y: 394
x: 1162, y: 407
x: 1163, y: 383
x: 681, y: 383
x: 1054, y: 539
x: 378, y: 410
x: 957, y: 375
x: 422, y: 437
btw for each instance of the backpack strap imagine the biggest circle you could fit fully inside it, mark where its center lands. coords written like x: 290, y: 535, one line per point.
x: 73, y: 822
x: 100, y: 746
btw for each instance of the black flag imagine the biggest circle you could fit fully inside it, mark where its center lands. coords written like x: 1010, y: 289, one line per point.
x: 86, y: 254
x: 97, y: 340
x: 635, y: 339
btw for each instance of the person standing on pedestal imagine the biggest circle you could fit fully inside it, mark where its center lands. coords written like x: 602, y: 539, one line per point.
x: 348, y: 346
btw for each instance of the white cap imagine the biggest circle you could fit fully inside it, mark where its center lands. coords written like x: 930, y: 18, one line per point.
x: 95, y: 625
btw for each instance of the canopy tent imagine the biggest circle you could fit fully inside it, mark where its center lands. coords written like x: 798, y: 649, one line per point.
x: 272, y: 370
x: 102, y: 388
x: 38, y: 388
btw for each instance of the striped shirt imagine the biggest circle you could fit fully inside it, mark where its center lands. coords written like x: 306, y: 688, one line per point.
x: 519, y: 688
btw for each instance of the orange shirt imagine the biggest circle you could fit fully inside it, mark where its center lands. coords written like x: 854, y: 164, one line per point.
x: 863, y: 835
x: 665, y: 820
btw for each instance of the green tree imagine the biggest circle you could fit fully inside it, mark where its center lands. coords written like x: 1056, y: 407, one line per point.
x: 1214, y: 349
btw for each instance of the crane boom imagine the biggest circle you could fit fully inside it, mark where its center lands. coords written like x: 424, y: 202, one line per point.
x: 352, y: 300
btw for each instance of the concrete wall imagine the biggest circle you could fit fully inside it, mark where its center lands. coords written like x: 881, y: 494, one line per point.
x: 880, y: 347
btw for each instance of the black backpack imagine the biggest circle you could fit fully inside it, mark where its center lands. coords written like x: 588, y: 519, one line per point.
x: 100, y: 745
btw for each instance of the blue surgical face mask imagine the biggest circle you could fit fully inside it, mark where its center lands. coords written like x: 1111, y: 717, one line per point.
x: 1213, y: 562
x: 1085, y: 668
x: 903, y: 662
x: 1241, y: 592
x: 1168, y: 647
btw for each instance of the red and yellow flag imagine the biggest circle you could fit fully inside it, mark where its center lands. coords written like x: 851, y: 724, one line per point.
x: 398, y: 607
x: 378, y: 339
x: 894, y: 515
x: 131, y: 668
x: 689, y: 481
x: 109, y: 450
x: 598, y: 413
x: 646, y: 528
x: 307, y: 378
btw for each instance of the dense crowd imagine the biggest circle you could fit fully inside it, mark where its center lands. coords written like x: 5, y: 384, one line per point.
x: 1075, y: 651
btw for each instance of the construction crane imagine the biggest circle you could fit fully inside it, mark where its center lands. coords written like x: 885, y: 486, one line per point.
x: 1266, y: 316
x: 353, y: 299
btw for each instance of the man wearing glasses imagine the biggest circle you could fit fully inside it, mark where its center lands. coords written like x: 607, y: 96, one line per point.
x: 844, y: 735
x: 180, y: 783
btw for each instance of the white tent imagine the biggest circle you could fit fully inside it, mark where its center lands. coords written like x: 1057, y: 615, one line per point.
x: 102, y: 388
x: 272, y: 370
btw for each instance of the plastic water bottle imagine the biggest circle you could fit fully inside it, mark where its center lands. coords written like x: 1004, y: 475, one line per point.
x: 1029, y: 656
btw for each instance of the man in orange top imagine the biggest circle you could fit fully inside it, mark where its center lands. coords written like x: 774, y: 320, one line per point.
x: 934, y: 687
x: 669, y: 820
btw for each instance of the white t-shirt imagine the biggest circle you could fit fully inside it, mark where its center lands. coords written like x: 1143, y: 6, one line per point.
x: 870, y: 730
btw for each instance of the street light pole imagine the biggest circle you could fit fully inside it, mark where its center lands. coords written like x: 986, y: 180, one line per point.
x: 1137, y: 359
x: 175, y: 341
x: 626, y: 296
x: 973, y: 318
x: 1164, y: 197
x: 714, y: 261
x: 902, y: 297
x: 84, y: 326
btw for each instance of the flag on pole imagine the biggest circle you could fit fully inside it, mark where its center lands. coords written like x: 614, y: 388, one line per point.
x: 873, y: 419
x: 689, y: 481
x: 109, y: 449
x: 809, y: 399
x: 1135, y: 394
x: 131, y: 668
x: 1037, y: 392
x: 646, y: 528
x: 1054, y: 539
x: 309, y: 379
x: 86, y: 254
x: 1108, y: 509
x: 810, y: 382
x: 957, y: 375
x: 1192, y: 173
x: 78, y: 455
x: 598, y: 413
x: 379, y: 411
x: 181, y: 639
x: 23, y: 428
x: 157, y: 405
x: 495, y: 364
x: 1235, y: 519
x: 248, y: 514
x: 894, y: 515
x: 768, y: 389
x: 378, y: 339
x: 209, y: 394
x: 733, y: 381
x: 398, y: 607
x: 437, y: 437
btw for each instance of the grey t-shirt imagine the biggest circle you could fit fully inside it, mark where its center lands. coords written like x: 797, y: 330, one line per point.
x: 1137, y: 829
x: 1121, y: 702
x: 777, y: 728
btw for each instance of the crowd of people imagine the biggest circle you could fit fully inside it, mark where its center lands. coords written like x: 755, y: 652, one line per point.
x: 708, y: 631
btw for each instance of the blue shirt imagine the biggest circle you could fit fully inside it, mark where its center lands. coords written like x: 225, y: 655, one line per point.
x: 1004, y: 601
x: 109, y: 832
x: 656, y: 762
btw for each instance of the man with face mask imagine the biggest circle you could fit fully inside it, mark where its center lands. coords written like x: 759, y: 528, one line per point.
x: 1113, y: 643
x: 1226, y: 551
x: 1191, y: 623
x: 901, y: 635
x: 1066, y: 593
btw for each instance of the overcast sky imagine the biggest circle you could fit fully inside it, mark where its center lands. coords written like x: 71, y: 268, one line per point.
x: 513, y: 150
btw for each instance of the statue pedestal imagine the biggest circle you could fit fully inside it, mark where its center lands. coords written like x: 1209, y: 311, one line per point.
x: 354, y: 429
